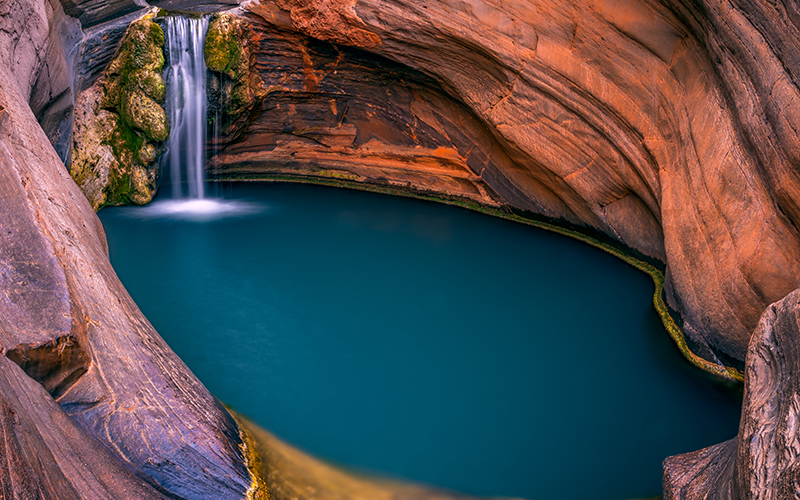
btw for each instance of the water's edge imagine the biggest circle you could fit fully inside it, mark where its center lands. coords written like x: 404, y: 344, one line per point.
x: 675, y: 332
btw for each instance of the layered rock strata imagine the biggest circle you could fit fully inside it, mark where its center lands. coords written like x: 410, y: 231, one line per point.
x: 341, y: 114
x: 608, y: 115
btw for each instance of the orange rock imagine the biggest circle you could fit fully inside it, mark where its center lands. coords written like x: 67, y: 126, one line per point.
x: 671, y: 131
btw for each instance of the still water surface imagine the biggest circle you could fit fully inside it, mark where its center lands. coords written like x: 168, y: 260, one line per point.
x: 423, y: 341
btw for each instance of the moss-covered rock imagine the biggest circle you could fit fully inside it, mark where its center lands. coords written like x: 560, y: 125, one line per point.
x: 92, y: 156
x: 149, y: 83
x: 142, y: 113
x: 142, y: 48
x: 226, y: 49
x: 136, y: 72
x: 235, y: 87
x: 122, y: 127
x: 147, y: 154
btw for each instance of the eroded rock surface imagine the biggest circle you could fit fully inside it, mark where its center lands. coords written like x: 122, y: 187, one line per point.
x: 763, y: 462
x: 342, y: 114
x: 641, y: 120
x: 94, y: 404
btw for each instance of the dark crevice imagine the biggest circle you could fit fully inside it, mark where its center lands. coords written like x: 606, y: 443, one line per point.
x: 56, y: 365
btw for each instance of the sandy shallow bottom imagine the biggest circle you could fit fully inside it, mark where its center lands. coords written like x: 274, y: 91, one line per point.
x: 291, y: 474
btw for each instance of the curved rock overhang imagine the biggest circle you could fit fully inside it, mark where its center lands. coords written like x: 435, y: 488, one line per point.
x: 653, y: 123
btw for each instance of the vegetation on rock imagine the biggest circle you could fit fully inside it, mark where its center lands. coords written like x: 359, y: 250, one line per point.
x: 224, y: 51
x: 92, y: 157
x: 123, y: 122
x: 235, y: 86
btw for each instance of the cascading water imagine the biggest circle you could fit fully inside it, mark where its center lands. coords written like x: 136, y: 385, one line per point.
x: 186, y: 105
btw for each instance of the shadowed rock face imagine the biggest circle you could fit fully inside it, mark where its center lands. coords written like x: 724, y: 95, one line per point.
x: 341, y: 113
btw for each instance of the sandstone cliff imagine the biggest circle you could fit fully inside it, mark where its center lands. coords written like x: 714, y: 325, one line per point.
x: 656, y: 124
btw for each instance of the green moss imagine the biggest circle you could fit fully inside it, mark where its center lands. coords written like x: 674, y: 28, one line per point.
x: 674, y: 331
x: 235, y: 86
x: 133, y: 90
x: 140, y: 58
x: 134, y: 87
x: 144, y: 46
x: 147, y: 154
x: 124, y: 140
x: 336, y: 174
x: 149, y: 83
x: 142, y: 113
x: 225, y: 50
x: 112, y: 93
x: 122, y: 190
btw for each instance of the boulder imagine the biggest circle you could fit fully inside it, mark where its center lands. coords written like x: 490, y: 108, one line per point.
x: 121, y: 125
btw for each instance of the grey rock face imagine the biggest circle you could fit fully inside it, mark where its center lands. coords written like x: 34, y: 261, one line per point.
x: 93, y: 12
x: 763, y: 462
x: 100, y: 44
x: 768, y: 453
x: 94, y: 403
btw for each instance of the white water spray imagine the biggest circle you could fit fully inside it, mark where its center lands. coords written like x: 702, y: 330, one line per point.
x: 186, y: 105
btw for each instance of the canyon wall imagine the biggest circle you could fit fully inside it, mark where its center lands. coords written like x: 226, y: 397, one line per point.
x: 94, y: 403
x: 670, y: 127
x: 655, y: 124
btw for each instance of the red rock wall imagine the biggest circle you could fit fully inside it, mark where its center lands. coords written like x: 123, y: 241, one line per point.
x: 670, y: 127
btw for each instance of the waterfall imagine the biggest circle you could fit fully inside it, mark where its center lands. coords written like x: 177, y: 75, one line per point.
x: 186, y: 105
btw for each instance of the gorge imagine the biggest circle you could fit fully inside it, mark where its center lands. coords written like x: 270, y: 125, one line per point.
x: 665, y: 128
